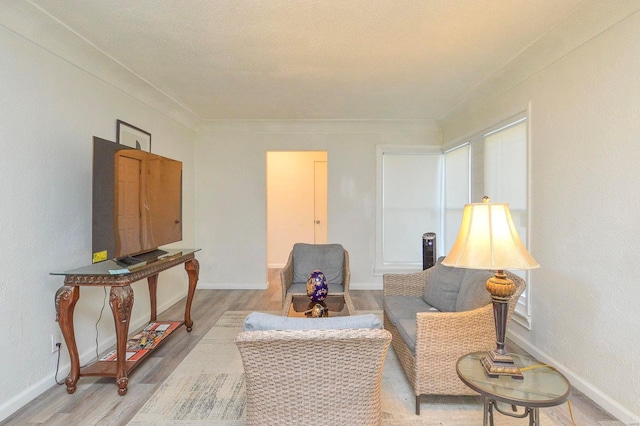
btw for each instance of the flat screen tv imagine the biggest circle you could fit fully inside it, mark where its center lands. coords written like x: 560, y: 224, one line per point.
x: 137, y: 202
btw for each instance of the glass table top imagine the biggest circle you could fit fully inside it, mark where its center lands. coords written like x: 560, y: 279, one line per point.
x: 112, y: 267
x: 300, y: 305
x: 542, y: 386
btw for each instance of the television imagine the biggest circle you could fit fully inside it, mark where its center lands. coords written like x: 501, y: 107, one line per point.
x: 137, y: 203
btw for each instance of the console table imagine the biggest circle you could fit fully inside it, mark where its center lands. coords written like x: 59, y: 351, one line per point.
x: 119, y: 279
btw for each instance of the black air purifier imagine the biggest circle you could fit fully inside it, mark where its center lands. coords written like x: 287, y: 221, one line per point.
x: 428, y: 250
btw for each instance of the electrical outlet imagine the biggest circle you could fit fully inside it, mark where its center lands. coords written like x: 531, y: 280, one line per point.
x: 55, y: 342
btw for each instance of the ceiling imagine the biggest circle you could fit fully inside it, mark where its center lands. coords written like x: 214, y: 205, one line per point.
x: 312, y: 59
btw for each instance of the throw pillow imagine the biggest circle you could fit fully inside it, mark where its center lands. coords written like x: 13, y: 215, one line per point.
x: 473, y: 293
x: 443, y: 286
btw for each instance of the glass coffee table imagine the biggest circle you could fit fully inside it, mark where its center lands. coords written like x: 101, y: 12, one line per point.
x: 542, y: 386
x: 333, y: 306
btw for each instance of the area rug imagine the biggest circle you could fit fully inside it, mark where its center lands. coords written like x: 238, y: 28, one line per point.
x: 208, y: 388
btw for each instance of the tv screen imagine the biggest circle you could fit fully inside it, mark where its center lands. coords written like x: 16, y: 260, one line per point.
x: 137, y: 201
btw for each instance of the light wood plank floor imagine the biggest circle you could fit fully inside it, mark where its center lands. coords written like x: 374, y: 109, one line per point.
x: 96, y: 401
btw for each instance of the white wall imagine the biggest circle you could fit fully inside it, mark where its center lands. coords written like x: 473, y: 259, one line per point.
x: 51, y: 109
x: 56, y: 92
x: 585, y: 203
x: 231, y: 191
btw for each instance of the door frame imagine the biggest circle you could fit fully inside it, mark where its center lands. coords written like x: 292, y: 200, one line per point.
x: 281, y: 169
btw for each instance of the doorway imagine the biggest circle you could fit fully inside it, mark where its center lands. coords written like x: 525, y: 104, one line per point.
x: 296, y: 202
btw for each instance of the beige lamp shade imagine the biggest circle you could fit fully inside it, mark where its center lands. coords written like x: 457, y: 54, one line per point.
x: 488, y: 240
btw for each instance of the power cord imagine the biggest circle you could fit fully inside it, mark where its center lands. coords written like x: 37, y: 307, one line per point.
x: 55, y: 377
x: 58, y: 345
x: 531, y: 367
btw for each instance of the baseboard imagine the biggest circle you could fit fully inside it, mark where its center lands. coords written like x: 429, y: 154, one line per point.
x: 276, y: 265
x: 607, y: 403
x: 23, y: 398
x: 365, y: 286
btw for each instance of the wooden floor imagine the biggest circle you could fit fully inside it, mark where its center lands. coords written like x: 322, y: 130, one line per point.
x: 96, y: 401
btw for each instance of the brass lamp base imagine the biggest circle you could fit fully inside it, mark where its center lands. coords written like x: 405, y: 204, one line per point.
x: 498, y: 364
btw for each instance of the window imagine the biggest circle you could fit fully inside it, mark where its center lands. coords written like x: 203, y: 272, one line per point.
x: 504, y: 177
x: 409, y: 204
x: 421, y: 189
x: 457, y: 191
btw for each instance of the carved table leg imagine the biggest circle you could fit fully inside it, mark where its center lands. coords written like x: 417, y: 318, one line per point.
x: 66, y: 298
x: 193, y: 270
x: 121, y: 302
x: 153, y: 290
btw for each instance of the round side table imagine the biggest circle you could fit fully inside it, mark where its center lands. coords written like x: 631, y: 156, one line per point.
x: 541, y: 387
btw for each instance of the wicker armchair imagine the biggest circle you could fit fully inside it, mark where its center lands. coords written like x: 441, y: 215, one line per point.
x: 441, y: 337
x: 314, y: 377
x: 331, y: 259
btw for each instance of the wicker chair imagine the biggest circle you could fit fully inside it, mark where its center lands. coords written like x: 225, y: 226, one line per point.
x: 331, y: 259
x: 441, y: 337
x: 314, y: 377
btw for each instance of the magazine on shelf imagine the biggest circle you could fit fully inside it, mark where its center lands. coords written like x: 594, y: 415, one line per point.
x: 145, y: 340
x: 131, y: 355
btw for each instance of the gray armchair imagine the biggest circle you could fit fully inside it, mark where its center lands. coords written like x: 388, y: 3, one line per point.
x: 331, y: 259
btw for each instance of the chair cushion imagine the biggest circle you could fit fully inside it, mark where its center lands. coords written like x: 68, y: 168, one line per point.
x: 404, y: 307
x: 473, y: 293
x: 260, y: 321
x: 443, y: 286
x: 401, y: 311
x: 328, y: 258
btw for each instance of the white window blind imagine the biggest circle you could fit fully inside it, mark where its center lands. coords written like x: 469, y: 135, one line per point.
x: 409, y: 204
x: 456, y: 192
x: 505, y: 171
x: 506, y: 181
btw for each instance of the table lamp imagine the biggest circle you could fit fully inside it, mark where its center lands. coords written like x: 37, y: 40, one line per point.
x: 487, y: 239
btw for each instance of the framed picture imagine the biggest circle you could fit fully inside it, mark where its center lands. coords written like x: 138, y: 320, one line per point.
x: 133, y: 136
